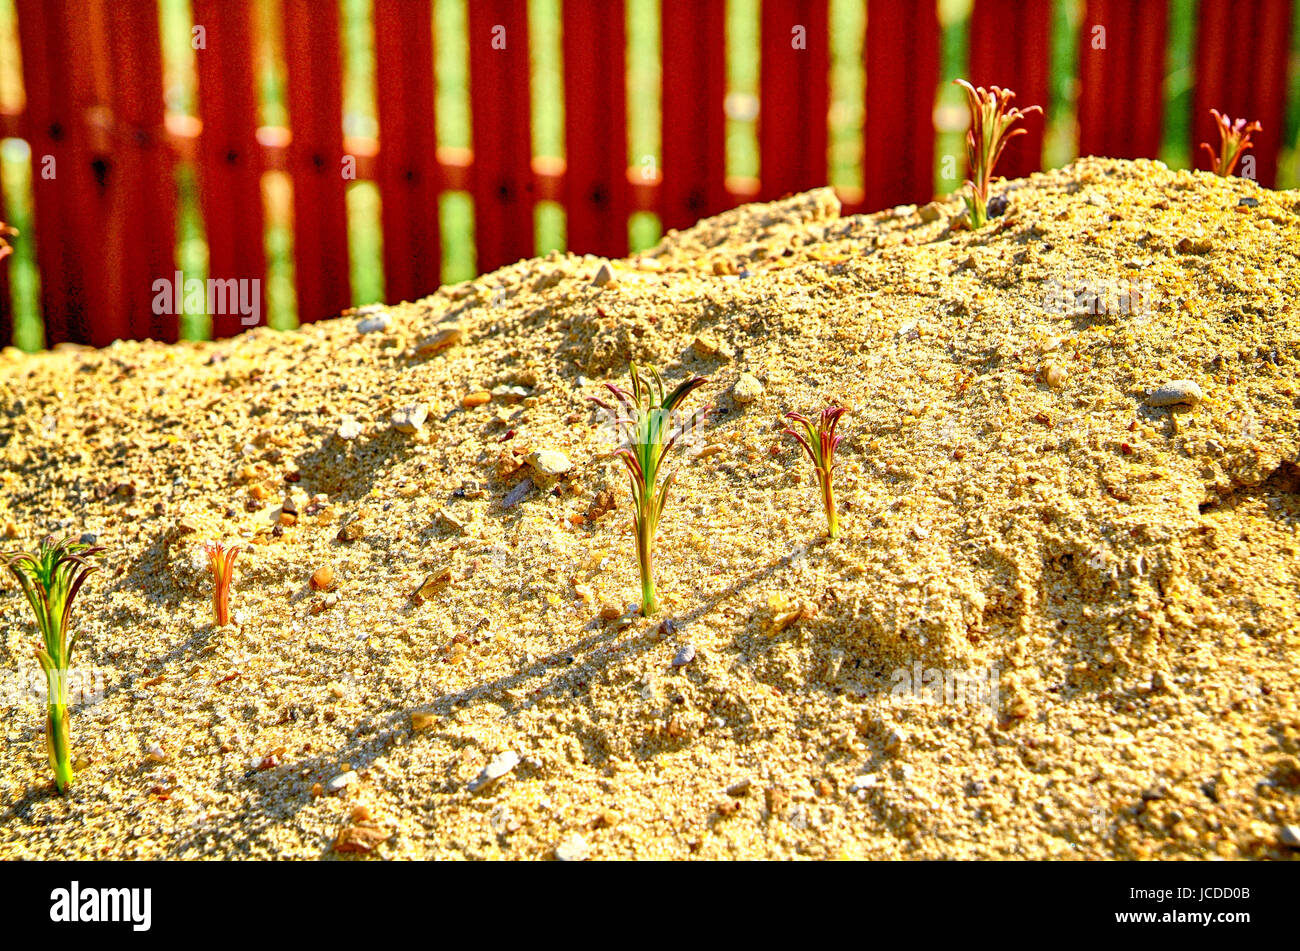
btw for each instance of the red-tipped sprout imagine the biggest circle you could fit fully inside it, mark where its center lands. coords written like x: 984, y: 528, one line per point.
x: 991, y: 119
x: 644, y: 416
x: 50, y: 577
x: 221, y: 558
x: 1234, y: 138
x: 819, y: 441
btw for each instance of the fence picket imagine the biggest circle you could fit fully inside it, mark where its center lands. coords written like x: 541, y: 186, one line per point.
x: 1122, y: 52
x: 1010, y: 46
x: 595, y: 126
x: 320, y: 235
x: 794, y: 96
x: 54, y: 43
x: 501, y: 124
x: 6, y: 307
x: 1241, y: 64
x: 407, y: 170
x: 902, y: 63
x: 139, y: 192
x: 694, y: 120
x: 230, y: 164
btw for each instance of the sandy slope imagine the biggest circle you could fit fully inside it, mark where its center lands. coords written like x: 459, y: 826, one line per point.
x: 1010, y: 501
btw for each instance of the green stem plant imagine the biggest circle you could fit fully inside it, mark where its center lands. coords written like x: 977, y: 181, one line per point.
x: 50, y: 578
x: 819, y: 441
x: 991, y: 119
x: 645, y: 417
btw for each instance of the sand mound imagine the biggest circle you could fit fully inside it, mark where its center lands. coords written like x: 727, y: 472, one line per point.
x: 1123, y: 575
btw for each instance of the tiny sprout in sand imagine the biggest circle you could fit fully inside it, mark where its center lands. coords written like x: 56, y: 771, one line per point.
x: 991, y: 119
x: 819, y: 441
x: 1234, y: 138
x: 645, y: 417
x: 222, y: 560
x: 50, y: 578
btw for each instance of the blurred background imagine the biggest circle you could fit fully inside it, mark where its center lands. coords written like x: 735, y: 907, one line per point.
x: 283, y: 93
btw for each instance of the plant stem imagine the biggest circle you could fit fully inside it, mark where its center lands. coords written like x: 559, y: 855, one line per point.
x: 645, y: 555
x: 828, y: 497
x: 59, y: 744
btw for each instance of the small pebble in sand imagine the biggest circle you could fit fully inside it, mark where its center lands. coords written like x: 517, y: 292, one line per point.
x: 1053, y: 374
x: 1176, y: 393
x: 684, y: 655
x: 447, y: 337
x: 374, y: 323
x: 573, y: 849
x: 477, y: 398
x: 931, y: 212
x: 493, y: 772
x: 894, y: 741
x: 341, y: 782
x: 549, y: 462
x: 322, y: 578
x: 1197, y: 244
x: 604, y: 274
x: 516, y: 495
x: 156, y: 753
x: 509, y: 394
x: 349, y: 428
x: 746, y: 389
x: 609, y: 612
x: 410, y: 418
x: 1289, y: 835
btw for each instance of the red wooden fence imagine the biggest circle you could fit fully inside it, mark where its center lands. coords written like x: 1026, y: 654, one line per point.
x: 103, y: 155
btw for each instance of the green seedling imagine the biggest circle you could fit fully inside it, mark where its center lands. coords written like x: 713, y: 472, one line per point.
x: 991, y: 119
x: 1234, y: 138
x: 819, y: 441
x: 222, y: 561
x: 50, y: 578
x: 645, y: 418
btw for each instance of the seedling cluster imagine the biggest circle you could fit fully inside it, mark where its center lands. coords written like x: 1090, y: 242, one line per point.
x: 644, y: 416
